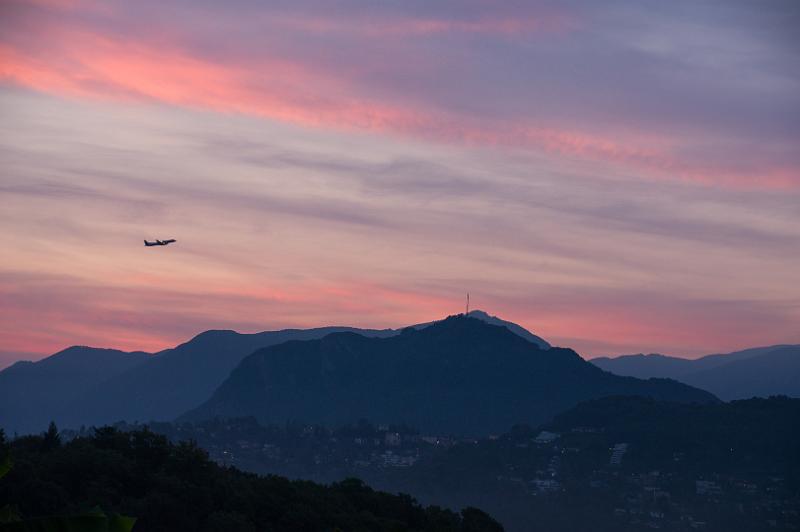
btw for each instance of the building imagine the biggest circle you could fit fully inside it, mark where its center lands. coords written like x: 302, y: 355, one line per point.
x: 617, y: 452
x: 545, y: 437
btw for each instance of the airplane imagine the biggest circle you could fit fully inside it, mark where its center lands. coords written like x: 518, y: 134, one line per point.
x: 159, y: 242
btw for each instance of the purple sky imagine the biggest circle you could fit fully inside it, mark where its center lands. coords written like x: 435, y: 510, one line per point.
x: 614, y: 176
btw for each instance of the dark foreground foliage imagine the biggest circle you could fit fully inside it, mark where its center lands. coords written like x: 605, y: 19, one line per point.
x: 176, y: 487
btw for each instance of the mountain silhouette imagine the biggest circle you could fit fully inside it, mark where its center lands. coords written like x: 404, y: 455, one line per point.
x: 460, y: 376
x: 760, y: 371
x: 31, y: 392
x: 89, y: 386
x: 178, y: 379
x: 513, y: 327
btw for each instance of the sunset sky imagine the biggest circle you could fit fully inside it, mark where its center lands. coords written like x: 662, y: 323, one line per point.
x: 616, y: 177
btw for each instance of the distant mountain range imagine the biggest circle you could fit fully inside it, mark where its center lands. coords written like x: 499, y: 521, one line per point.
x: 757, y: 372
x: 31, y: 393
x: 90, y: 386
x: 492, y: 380
x: 460, y: 375
x: 152, y: 387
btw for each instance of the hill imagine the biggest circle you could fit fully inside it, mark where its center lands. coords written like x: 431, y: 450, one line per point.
x: 460, y: 375
x: 610, y: 464
x: 494, y: 320
x: 88, y: 386
x: 169, y: 487
x: 177, y: 379
x: 776, y: 372
x: 628, y: 464
x: 32, y: 391
x: 756, y: 372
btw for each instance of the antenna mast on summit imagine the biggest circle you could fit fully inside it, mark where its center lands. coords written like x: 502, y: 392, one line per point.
x: 467, y: 313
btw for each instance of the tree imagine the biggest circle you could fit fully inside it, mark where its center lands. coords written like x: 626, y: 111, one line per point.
x: 52, y: 439
x: 176, y: 487
x: 474, y: 520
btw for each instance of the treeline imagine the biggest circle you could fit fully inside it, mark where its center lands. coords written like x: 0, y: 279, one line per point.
x: 752, y: 435
x: 172, y: 487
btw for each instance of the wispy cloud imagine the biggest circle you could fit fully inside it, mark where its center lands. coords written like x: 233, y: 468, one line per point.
x: 98, y: 53
x: 616, y: 180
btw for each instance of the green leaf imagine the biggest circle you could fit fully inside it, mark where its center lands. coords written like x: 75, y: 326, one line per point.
x: 120, y: 523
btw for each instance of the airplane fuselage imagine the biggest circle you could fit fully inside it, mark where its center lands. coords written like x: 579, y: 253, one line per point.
x: 159, y: 242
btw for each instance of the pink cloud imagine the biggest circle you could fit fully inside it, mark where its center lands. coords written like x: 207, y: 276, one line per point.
x: 99, y: 67
x: 46, y: 314
x: 598, y: 322
x: 87, y: 63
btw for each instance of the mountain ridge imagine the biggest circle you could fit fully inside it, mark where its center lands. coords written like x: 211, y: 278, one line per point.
x: 757, y: 371
x: 29, y: 389
x: 423, y: 378
x: 170, y: 382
